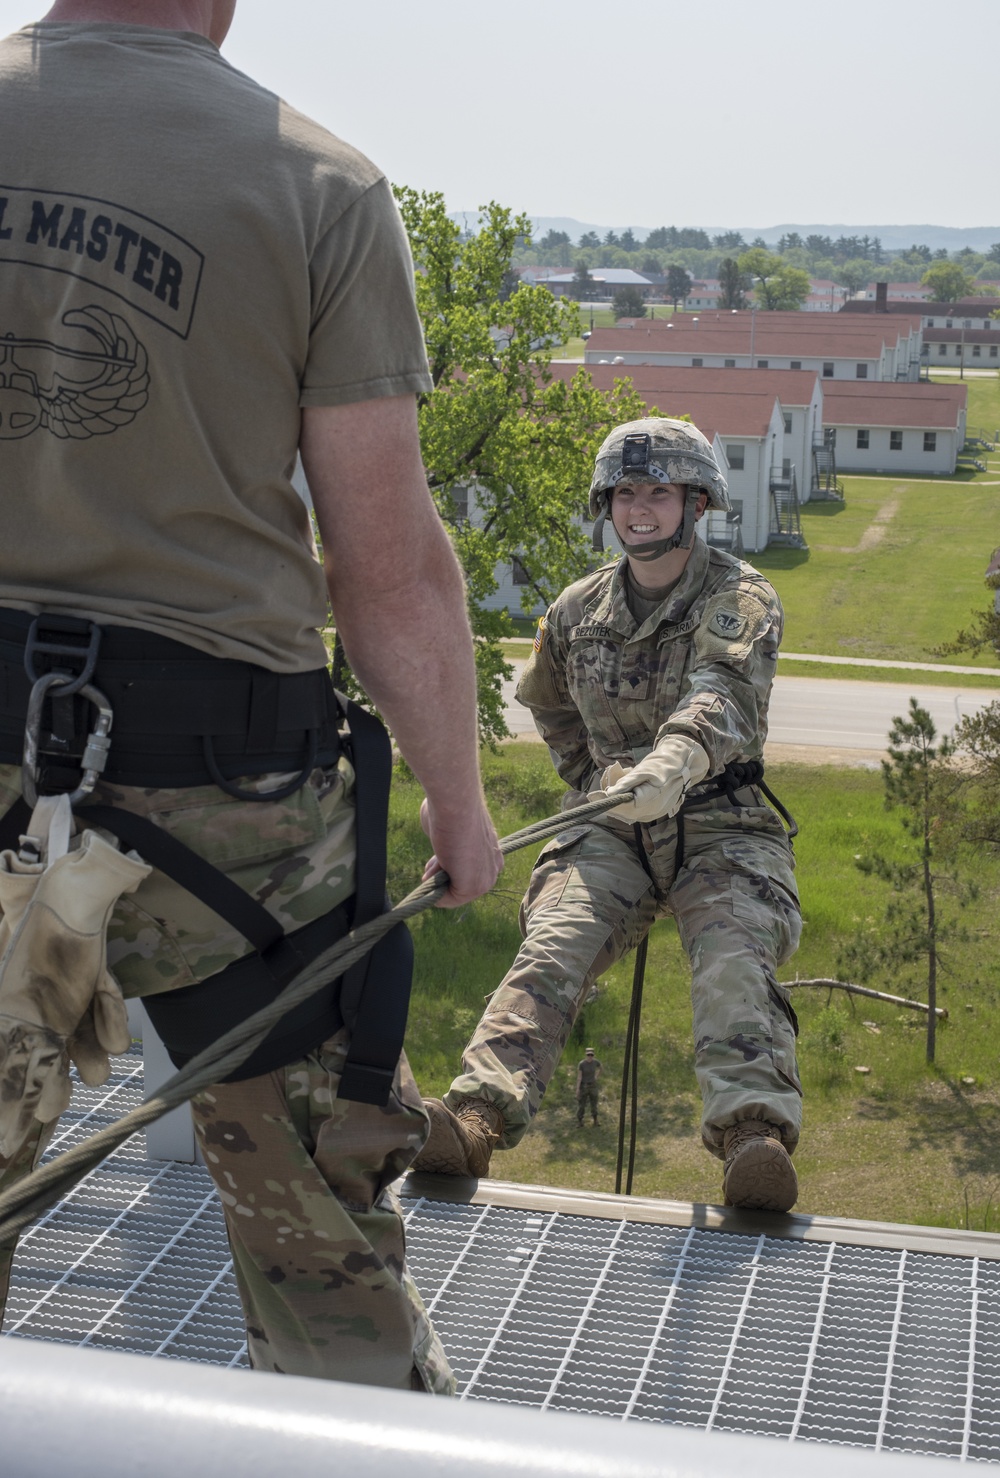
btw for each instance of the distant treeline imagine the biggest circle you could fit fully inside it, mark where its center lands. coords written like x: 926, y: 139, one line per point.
x: 852, y: 260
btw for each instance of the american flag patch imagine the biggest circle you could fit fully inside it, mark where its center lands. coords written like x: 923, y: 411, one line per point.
x: 540, y: 634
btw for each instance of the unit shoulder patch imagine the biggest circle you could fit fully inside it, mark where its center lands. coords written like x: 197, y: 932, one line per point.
x: 730, y: 624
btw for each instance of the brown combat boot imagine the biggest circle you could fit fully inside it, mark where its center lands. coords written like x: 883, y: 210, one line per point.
x: 759, y: 1174
x: 460, y: 1143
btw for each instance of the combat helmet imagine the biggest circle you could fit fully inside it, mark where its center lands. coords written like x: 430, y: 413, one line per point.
x: 657, y: 450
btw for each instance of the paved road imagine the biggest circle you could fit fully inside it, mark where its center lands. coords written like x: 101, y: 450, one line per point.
x: 829, y: 712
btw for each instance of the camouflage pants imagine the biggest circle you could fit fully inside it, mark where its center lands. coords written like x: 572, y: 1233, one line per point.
x: 588, y: 1098
x: 590, y: 900
x: 304, y: 1177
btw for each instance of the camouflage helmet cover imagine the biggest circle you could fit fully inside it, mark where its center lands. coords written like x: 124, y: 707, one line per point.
x: 678, y: 452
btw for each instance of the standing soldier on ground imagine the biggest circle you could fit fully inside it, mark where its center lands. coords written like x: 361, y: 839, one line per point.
x: 651, y: 676
x: 197, y: 283
x: 588, y: 1070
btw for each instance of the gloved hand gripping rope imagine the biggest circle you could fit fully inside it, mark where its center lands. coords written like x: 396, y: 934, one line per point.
x: 32, y: 1196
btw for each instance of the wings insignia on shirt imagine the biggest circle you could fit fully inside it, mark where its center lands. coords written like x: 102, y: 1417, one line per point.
x: 73, y: 390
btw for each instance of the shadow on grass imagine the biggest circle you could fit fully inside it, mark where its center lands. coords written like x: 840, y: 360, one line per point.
x: 597, y: 1146
x: 823, y: 508
x: 964, y: 1126
x: 779, y: 559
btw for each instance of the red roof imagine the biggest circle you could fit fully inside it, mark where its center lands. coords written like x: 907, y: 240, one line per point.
x: 733, y: 409
x: 900, y: 308
x: 814, y: 335
x: 781, y: 318
x: 863, y: 403
x: 791, y: 387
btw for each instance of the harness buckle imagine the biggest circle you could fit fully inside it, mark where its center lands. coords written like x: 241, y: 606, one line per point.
x: 98, y: 743
x: 65, y: 626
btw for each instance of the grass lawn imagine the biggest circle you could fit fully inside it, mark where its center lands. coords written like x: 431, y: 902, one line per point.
x: 903, y: 1142
x: 891, y: 572
x: 519, y: 650
x: 601, y: 318
x: 875, y: 674
x: 984, y: 401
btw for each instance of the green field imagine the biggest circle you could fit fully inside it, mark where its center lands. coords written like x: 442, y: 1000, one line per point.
x: 787, y: 667
x: 875, y: 674
x: 903, y: 1142
x: 602, y: 318
x: 984, y: 401
x: 891, y: 572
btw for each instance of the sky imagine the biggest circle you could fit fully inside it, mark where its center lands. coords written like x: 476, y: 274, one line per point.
x: 721, y: 114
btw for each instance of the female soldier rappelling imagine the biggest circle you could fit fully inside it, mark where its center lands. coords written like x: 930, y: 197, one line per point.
x: 651, y: 677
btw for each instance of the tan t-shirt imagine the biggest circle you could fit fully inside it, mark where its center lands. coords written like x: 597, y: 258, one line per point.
x: 185, y: 261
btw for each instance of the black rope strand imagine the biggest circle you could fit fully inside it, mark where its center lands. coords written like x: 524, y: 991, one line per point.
x: 630, y: 1070
x: 29, y: 1198
x: 638, y: 983
x: 630, y: 1065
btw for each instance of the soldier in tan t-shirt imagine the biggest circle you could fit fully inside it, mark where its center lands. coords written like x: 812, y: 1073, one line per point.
x: 196, y: 285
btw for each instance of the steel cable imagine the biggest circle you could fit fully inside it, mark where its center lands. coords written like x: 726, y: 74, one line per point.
x: 41, y: 1188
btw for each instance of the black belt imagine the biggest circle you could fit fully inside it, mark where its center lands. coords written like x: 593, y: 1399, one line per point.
x: 181, y: 717
x: 737, y: 775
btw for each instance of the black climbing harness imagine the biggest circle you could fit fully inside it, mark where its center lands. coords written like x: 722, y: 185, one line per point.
x: 181, y: 718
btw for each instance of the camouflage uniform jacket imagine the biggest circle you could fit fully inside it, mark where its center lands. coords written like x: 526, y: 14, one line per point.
x: 602, y: 688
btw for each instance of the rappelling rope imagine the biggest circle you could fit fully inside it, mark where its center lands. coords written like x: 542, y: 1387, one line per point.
x: 42, y: 1188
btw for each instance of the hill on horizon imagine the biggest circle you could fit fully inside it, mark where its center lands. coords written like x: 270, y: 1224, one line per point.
x: 893, y: 238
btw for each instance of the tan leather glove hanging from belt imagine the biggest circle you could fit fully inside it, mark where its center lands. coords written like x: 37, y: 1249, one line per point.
x: 658, y: 783
x: 58, y: 1002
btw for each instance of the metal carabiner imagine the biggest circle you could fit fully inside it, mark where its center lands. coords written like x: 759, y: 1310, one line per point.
x: 95, y: 753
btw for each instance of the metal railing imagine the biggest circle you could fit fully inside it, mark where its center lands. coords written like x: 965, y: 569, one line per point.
x: 786, y: 523
x: 101, y: 1415
x: 825, y: 483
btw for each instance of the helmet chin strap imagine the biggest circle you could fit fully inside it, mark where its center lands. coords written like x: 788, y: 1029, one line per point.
x: 682, y: 538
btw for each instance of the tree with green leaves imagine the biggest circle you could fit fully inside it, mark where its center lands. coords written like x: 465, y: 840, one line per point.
x: 854, y: 274
x: 733, y: 284
x: 582, y: 280
x: 922, y: 786
x: 628, y: 302
x: 977, y: 737
x: 778, y: 284
x: 984, y: 633
x: 508, y: 448
x: 589, y: 238
x: 948, y: 281
x: 678, y: 284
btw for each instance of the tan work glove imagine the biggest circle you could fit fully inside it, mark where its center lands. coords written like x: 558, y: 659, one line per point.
x: 659, y: 781
x: 57, y: 999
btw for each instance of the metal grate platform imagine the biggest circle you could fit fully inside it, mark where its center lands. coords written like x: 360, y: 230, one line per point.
x: 893, y: 1348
